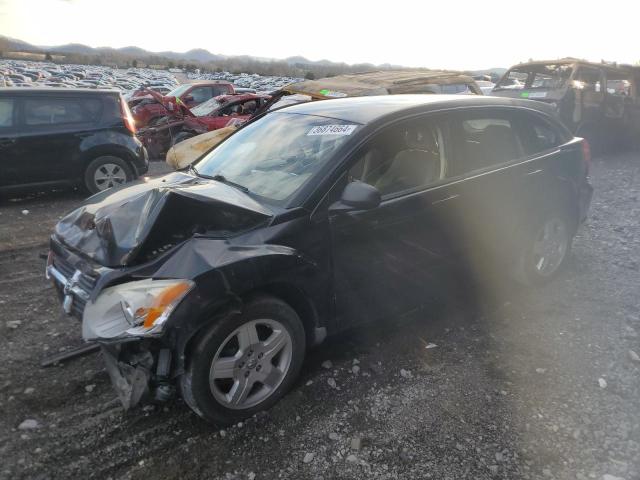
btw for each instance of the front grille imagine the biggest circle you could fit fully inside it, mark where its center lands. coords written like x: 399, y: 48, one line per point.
x: 85, y: 282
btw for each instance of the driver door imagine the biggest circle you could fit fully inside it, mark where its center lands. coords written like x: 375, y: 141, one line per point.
x: 391, y: 260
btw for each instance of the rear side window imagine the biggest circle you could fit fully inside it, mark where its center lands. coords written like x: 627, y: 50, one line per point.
x: 588, y: 79
x: 201, y: 94
x: 482, y: 141
x: 7, y: 108
x: 220, y: 90
x: 538, y: 135
x: 61, y: 111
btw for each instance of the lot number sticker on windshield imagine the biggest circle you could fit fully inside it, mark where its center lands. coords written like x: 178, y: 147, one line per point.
x: 332, y: 130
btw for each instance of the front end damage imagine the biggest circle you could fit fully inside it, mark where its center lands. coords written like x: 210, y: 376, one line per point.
x: 130, y: 372
x: 125, y: 263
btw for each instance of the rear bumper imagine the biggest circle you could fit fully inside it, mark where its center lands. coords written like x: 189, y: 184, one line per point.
x: 141, y: 163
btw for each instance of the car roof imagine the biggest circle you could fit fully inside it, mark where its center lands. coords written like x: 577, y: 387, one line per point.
x: 570, y: 61
x: 365, y: 110
x: 56, y: 91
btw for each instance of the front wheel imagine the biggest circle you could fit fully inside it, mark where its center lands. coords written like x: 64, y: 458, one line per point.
x: 545, y: 249
x: 245, y: 363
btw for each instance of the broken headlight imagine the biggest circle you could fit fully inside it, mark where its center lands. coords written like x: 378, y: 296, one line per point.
x: 137, y: 308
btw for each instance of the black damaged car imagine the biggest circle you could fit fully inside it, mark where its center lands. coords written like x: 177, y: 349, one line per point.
x: 213, y: 282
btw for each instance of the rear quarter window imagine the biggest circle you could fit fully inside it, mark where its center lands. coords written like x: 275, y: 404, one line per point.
x: 538, y: 135
x: 61, y: 111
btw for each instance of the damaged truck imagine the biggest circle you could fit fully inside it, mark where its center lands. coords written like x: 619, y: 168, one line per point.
x: 214, y: 281
x: 597, y: 101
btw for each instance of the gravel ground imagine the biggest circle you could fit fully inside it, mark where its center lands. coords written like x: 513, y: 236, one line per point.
x: 539, y: 383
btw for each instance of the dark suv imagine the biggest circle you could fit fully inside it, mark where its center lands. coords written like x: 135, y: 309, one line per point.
x: 307, y: 221
x: 51, y: 137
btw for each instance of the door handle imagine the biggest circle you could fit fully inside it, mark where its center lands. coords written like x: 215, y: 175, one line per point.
x: 6, y: 142
x: 450, y: 197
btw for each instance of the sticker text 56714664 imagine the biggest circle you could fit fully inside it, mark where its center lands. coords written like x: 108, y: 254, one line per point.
x: 332, y: 130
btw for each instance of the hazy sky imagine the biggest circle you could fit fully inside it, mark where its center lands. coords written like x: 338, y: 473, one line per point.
x: 455, y: 34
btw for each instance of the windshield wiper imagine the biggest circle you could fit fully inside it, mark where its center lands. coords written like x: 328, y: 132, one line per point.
x: 191, y: 168
x: 221, y: 179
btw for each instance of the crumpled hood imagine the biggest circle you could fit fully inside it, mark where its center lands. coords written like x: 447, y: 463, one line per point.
x: 133, y: 224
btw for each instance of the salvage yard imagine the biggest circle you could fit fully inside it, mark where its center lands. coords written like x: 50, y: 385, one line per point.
x: 540, y: 383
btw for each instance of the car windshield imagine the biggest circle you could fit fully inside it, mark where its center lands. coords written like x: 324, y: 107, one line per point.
x: 548, y: 77
x: 179, y: 90
x: 205, y: 108
x: 277, y: 155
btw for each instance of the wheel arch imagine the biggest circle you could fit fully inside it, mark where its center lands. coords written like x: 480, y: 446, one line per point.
x: 287, y: 292
x: 103, y: 150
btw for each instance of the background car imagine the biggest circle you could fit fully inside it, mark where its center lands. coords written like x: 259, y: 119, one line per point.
x: 188, y: 94
x: 52, y: 137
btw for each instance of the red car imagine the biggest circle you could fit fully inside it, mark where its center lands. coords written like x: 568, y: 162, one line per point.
x: 218, y: 112
x: 148, y: 109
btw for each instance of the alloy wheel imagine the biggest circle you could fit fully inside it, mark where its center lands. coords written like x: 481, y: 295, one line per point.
x: 251, y: 364
x: 109, y: 175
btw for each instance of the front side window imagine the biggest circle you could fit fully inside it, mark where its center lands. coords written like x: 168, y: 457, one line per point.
x: 482, y: 141
x: 7, y: 106
x: 277, y: 155
x: 404, y: 157
x: 60, y: 111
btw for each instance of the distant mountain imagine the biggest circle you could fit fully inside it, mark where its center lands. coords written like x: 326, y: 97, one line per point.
x: 15, y: 44
x: 323, y: 67
x: 70, y: 48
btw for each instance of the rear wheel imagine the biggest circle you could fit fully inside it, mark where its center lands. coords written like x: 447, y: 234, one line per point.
x: 106, y: 172
x: 245, y: 363
x: 545, y: 249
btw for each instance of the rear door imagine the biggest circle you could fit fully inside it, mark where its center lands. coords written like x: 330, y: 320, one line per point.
x: 54, y: 128
x: 485, y: 147
x: 9, y: 161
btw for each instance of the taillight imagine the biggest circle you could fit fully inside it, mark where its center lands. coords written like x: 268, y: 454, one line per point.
x: 586, y: 155
x: 127, y: 116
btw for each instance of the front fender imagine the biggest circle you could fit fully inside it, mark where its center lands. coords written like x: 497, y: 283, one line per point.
x: 226, y: 275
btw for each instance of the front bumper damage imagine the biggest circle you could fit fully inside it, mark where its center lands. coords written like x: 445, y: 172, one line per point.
x: 130, y: 373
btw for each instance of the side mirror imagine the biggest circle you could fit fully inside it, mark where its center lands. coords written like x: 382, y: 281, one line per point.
x: 188, y: 98
x: 358, y: 196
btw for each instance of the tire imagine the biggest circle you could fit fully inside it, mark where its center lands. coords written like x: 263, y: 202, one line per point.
x: 113, y: 171
x: 539, y: 261
x: 243, y: 362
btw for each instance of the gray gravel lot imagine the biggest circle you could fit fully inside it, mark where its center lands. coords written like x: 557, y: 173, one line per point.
x: 539, y: 383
